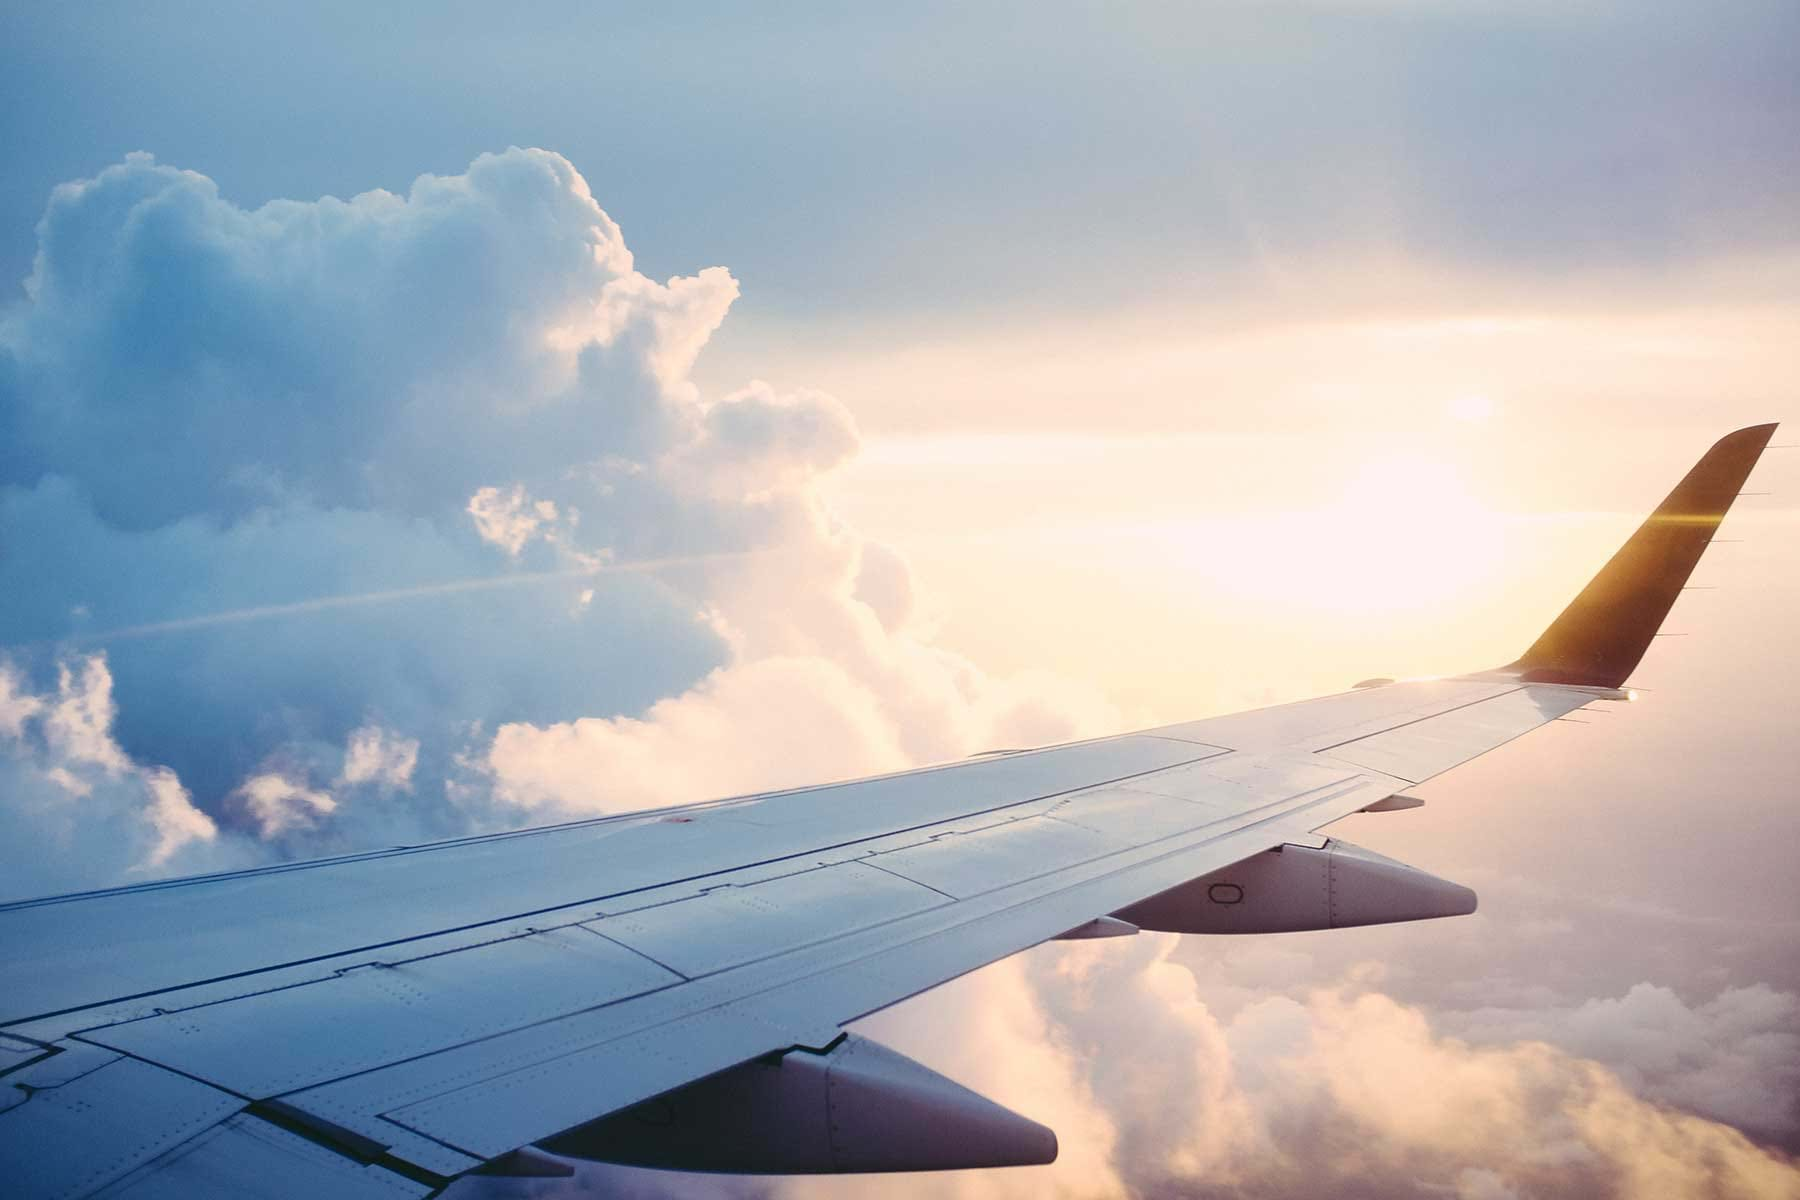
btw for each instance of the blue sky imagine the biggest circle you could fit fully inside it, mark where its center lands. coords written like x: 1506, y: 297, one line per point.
x: 824, y: 391
x: 952, y: 157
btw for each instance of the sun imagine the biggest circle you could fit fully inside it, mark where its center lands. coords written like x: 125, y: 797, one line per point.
x: 1471, y: 408
x: 1409, y: 526
x: 1403, y: 532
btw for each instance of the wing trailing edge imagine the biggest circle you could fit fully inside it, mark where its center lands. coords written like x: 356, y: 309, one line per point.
x: 1603, y: 633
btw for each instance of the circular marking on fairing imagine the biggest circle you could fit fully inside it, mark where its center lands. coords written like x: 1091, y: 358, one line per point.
x: 1225, y: 893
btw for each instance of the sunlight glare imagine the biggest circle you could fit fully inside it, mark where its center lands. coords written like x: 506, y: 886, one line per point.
x: 1472, y: 409
x: 1404, y: 533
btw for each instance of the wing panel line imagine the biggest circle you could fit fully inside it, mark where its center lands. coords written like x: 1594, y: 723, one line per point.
x: 1427, y: 717
x: 1215, y: 752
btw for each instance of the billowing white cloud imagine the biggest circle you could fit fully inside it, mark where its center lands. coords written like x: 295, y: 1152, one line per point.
x: 74, y: 809
x: 172, y: 815
x: 755, y: 443
x: 78, y: 723
x: 17, y: 706
x: 376, y: 755
x: 429, y: 442
x: 1735, y: 1057
x: 774, y: 722
x: 780, y: 721
x: 884, y: 582
x: 509, y: 518
x: 277, y: 804
x: 1343, y: 1090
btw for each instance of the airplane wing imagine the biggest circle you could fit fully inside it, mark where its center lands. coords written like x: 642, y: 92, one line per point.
x: 670, y: 988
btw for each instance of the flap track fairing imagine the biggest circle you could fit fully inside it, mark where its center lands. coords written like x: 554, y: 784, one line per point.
x: 1293, y: 888
x: 854, y: 1107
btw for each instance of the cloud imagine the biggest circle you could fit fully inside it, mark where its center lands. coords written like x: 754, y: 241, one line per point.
x: 1735, y: 1057
x: 77, y: 725
x: 16, y: 705
x: 378, y: 756
x: 1344, y: 1092
x: 775, y: 722
x: 276, y: 804
x: 74, y: 809
x: 755, y: 442
x: 387, y: 351
x: 884, y: 582
x: 172, y: 815
x: 1542, y: 1120
x: 509, y: 518
x: 333, y: 485
x: 781, y: 721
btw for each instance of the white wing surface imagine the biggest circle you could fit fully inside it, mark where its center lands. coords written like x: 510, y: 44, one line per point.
x: 669, y: 988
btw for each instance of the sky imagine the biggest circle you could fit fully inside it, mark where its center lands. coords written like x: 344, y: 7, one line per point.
x: 414, y: 422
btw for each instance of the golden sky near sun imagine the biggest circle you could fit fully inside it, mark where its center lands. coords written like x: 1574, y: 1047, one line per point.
x: 1323, y: 501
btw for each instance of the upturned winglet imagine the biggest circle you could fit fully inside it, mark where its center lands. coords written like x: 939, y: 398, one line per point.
x: 1599, y: 639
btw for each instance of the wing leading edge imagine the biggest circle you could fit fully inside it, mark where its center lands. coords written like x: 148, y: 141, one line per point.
x: 673, y: 993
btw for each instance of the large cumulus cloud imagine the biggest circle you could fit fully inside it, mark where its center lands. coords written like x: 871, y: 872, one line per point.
x: 432, y: 465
